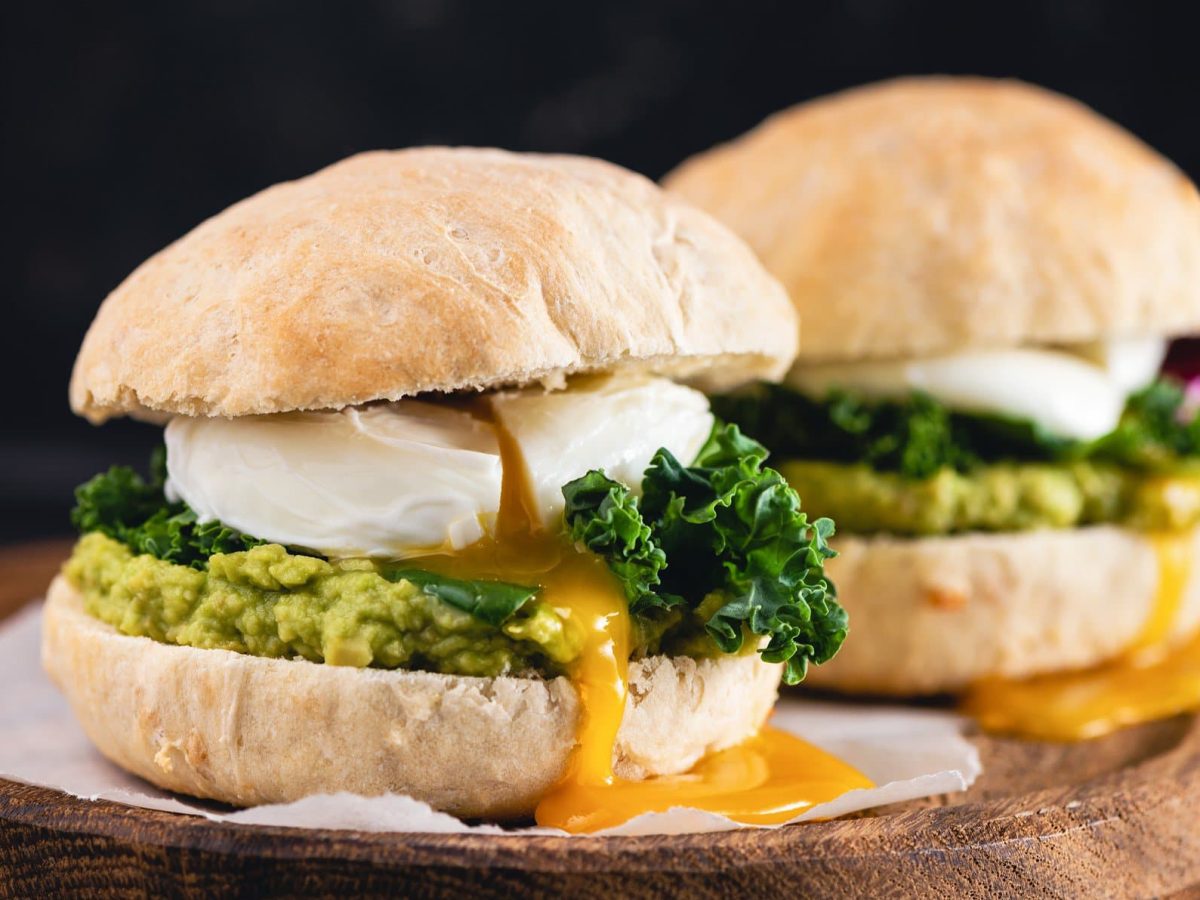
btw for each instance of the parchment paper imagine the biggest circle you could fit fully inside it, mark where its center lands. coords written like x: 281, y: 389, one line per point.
x: 908, y: 753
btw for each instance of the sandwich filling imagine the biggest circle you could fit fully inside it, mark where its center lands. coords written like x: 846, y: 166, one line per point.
x: 393, y: 535
x: 987, y: 441
x: 1006, y: 441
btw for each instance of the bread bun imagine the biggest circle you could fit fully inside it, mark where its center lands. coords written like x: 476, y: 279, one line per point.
x: 247, y: 730
x: 431, y: 269
x: 925, y: 215
x: 934, y: 614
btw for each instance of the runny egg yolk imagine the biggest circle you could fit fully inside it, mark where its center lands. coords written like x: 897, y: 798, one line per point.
x: 1151, y: 680
x: 768, y: 779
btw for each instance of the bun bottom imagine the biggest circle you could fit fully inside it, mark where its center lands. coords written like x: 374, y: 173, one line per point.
x: 932, y: 615
x: 247, y: 730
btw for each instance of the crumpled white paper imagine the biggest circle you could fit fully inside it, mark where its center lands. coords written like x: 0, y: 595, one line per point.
x: 908, y: 753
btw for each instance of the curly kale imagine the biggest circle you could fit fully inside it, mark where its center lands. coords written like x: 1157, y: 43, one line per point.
x: 135, y: 511
x: 917, y: 436
x: 736, y: 534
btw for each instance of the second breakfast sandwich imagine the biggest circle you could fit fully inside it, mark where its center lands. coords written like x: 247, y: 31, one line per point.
x: 988, y: 275
x: 437, y: 511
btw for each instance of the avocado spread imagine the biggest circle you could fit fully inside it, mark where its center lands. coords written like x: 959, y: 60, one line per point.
x: 995, y: 497
x: 268, y: 602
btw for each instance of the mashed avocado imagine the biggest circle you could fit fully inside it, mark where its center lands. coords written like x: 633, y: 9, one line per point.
x: 268, y: 602
x: 997, y: 497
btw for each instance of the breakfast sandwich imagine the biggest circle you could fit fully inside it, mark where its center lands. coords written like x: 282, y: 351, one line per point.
x: 989, y: 276
x: 441, y: 508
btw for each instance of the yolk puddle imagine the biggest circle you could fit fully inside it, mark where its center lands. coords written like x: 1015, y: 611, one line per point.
x: 767, y: 779
x: 1149, y: 681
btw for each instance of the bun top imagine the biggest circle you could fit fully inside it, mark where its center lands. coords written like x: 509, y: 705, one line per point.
x: 924, y: 215
x: 431, y: 269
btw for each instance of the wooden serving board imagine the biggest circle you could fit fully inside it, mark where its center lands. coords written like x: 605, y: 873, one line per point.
x: 1119, y: 817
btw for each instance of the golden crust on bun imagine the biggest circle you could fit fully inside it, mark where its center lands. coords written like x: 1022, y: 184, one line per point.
x: 926, y: 215
x: 394, y: 273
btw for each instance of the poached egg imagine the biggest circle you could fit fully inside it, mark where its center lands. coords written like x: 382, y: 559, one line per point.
x: 405, y: 479
x: 393, y: 480
x: 615, y: 424
x: 1076, y: 393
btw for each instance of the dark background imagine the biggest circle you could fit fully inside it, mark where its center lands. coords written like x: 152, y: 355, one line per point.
x: 123, y: 126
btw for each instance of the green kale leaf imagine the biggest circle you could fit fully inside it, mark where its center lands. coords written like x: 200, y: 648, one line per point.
x: 916, y: 436
x: 744, y: 550
x: 603, y: 515
x: 135, y: 511
x: 1157, y: 429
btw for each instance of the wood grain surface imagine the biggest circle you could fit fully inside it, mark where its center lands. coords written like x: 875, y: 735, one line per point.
x: 1116, y: 817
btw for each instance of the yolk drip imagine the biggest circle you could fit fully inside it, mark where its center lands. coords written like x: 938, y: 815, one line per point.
x: 1149, y: 681
x: 1174, y: 553
x: 767, y: 779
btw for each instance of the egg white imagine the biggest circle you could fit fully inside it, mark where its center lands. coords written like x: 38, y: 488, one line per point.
x: 612, y: 423
x: 393, y: 480
x: 410, y: 478
x: 1077, y: 393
